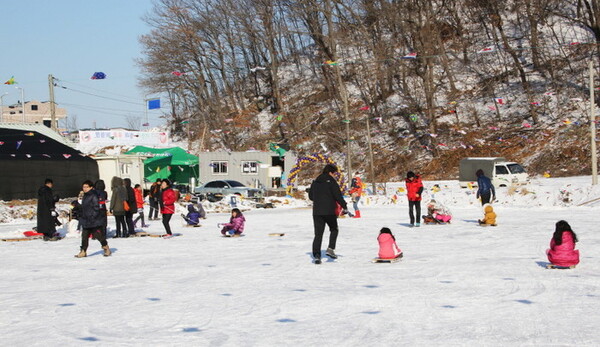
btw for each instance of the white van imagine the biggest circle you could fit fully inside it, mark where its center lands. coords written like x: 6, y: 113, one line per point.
x: 502, y: 173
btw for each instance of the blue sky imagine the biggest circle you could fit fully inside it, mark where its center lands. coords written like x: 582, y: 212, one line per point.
x: 72, y: 39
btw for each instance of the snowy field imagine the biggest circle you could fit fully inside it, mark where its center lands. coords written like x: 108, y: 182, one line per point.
x: 458, y: 284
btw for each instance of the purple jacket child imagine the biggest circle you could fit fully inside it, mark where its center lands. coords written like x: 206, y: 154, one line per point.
x: 235, y: 225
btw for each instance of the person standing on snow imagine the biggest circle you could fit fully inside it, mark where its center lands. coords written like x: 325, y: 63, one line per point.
x: 168, y: 200
x: 325, y: 192
x: 485, y: 188
x: 46, y: 212
x: 131, y: 201
x: 92, y: 220
x: 100, y: 189
x: 153, y: 199
x: 139, y: 199
x: 414, y: 189
x: 356, y: 192
x: 117, y: 209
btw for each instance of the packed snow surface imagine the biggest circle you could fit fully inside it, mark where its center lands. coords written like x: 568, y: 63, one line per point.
x: 458, y: 284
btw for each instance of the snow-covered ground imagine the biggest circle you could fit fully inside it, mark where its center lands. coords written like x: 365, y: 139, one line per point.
x: 458, y: 284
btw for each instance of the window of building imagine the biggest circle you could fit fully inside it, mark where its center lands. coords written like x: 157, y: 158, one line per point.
x: 249, y: 167
x: 12, y: 112
x: 20, y: 111
x: 34, y: 107
x: 219, y: 167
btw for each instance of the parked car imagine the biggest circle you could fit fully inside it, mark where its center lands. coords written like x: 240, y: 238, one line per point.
x: 215, y: 190
x: 502, y: 173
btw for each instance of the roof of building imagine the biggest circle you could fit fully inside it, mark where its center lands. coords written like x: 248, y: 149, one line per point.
x: 40, y: 128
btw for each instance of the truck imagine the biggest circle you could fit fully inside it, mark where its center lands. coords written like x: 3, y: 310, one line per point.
x: 502, y: 173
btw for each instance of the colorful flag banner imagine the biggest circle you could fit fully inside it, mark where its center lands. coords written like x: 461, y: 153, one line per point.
x: 487, y: 49
x: 499, y: 101
x: 412, y: 55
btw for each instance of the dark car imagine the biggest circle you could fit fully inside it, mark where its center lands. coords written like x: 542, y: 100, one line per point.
x: 215, y: 190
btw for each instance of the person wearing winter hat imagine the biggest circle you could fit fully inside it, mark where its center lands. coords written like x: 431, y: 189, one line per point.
x: 485, y: 188
x: 168, y: 199
x: 414, y: 188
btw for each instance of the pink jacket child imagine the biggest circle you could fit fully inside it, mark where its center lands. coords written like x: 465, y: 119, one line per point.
x: 387, y: 245
x: 235, y: 227
x: 562, y: 250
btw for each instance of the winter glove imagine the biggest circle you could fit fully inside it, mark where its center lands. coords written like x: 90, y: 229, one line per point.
x: 54, y: 213
x: 345, y: 212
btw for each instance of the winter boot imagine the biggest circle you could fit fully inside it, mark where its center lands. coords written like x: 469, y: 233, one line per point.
x: 357, y: 214
x: 82, y: 254
x: 331, y: 253
x: 107, y: 251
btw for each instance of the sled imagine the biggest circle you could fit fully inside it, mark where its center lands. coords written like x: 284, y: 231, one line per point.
x: 488, y: 225
x: 18, y: 239
x: 552, y: 266
x: 32, y: 233
x: 192, y: 226
x: 276, y: 234
x: 140, y: 234
x: 234, y: 235
x: 388, y: 261
x: 145, y: 234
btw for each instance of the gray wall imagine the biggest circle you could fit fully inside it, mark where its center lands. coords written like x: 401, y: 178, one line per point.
x: 235, y: 161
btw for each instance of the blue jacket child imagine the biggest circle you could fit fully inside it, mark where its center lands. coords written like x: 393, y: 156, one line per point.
x: 193, y: 216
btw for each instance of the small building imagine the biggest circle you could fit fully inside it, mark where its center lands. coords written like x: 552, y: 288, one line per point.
x: 125, y: 166
x: 36, y: 112
x: 252, y: 168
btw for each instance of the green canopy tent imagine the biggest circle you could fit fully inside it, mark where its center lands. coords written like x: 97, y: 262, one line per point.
x: 173, y: 163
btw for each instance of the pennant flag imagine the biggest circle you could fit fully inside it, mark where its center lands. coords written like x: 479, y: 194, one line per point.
x: 499, y: 101
x: 11, y: 81
x: 98, y: 76
x: 42, y: 141
x: 1, y: 143
x: 413, y: 117
x: 47, y: 155
x: 154, y: 104
x: 28, y: 155
x: 254, y: 69
x: 19, y: 144
x: 487, y: 49
x: 535, y: 103
x: 549, y: 93
x: 228, y: 120
x: 67, y: 156
x: 185, y: 122
x: 29, y: 134
x: 178, y: 73
x: 492, y: 108
x: 146, y: 124
x: 331, y: 63
x: 412, y: 55
x: 364, y: 108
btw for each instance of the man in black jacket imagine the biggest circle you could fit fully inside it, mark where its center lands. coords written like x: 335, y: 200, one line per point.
x: 325, y: 192
x: 46, y: 212
x: 92, y: 220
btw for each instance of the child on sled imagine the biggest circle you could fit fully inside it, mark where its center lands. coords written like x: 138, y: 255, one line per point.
x: 489, y: 218
x: 437, y: 213
x: 235, y: 227
x: 192, y: 217
x: 388, y: 249
x: 562, y: 250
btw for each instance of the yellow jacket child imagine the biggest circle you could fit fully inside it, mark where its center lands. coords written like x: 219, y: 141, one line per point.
x: 490, y: 216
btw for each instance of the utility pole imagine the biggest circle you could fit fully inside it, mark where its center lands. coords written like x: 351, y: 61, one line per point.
x: 371, y: 155
x: 341, y: 87
x: 593, y: 126
x: 52, y: 104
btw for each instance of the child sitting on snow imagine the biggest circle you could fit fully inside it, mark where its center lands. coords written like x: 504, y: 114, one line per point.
x: 193, y: 216
x: 562, y: 250
x: 74, y: 215
x: 437, y: 213
x: 235, y: 227
x: 490, y: 216
x: 388, y: 249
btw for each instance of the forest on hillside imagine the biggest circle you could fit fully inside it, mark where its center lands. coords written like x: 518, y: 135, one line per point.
x: 413, y: 84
